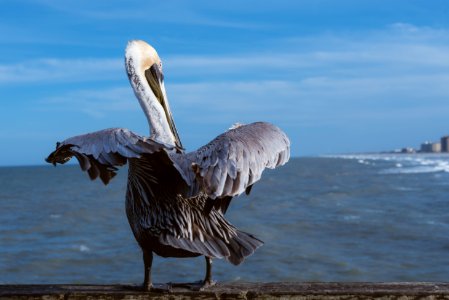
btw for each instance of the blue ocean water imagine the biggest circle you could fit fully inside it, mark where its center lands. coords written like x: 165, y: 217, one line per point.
x: 371, y: 217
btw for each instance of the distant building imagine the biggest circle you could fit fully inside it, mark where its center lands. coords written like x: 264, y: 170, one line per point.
x: 426, y: 147
x: 429, y: 147
x: 408, y: 150
x: 436, y: 147
x: 445, y: 144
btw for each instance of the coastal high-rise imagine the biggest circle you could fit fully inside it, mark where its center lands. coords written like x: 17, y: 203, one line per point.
x: 445, y: 143
x: 428, y: 147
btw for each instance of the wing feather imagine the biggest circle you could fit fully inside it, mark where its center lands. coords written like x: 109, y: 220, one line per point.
x: 234, y: 160
x: 100, y: 152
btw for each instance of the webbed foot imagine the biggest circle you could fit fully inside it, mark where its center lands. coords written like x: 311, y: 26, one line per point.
x: 207, y: 284
x: 200, y: 285
x: 156, y: 288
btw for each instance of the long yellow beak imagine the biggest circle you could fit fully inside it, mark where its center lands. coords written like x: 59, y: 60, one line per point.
x: 155, y: 79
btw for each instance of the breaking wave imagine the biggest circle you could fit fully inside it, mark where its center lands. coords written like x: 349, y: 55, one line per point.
x: 402, y: 163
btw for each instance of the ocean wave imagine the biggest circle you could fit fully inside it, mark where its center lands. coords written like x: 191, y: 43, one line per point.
x: 415, y: 170
x: 351, y: 218
x: 81, y: 248
x: 84, y: 248
x: 403, y: 163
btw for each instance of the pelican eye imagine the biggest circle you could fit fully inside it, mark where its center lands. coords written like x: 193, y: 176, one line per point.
x: 160, y: 66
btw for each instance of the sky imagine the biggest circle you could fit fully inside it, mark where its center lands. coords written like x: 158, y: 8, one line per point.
x: 337, y: 76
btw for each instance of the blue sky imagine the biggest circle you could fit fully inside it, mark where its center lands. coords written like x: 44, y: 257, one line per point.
x: 337, y: 76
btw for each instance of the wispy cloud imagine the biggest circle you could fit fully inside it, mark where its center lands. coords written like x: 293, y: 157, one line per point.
x: 398, y: 49
x: 388, y: 76
x: 377, y: 76
x: 314, y: 100
x: 180, y: 12
x: 401, y: 66
x: 50, y: 70
x: 95, y: 103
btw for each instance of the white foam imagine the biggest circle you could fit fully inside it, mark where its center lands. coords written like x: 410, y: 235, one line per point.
x: 405, y: 189
x: 414, y: 170
x: 404, y: 163
x: 84, y: 248
x: 81, y: 248
x: 351, y: 218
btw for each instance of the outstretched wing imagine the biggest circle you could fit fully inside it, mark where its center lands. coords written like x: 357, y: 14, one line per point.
x: 235, y: 160
x: 100, y: 152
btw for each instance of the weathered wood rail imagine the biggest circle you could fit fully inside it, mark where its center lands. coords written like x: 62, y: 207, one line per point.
x: 277, y: 290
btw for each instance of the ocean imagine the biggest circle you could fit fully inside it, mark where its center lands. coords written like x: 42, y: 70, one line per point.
x: 373, y: 217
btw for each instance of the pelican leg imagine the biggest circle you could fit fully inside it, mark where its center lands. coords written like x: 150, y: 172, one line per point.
x: 208, y: 277
x: 147, y: 261
x: 208, y: 282
x: 201, y: 284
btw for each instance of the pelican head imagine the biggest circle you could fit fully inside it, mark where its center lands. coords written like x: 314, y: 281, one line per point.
x: 144, y: 68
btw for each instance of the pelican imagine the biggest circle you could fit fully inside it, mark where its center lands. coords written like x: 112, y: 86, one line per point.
x: 176, y: 200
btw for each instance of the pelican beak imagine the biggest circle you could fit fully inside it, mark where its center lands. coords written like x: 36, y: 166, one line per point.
x: 155, y: 79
